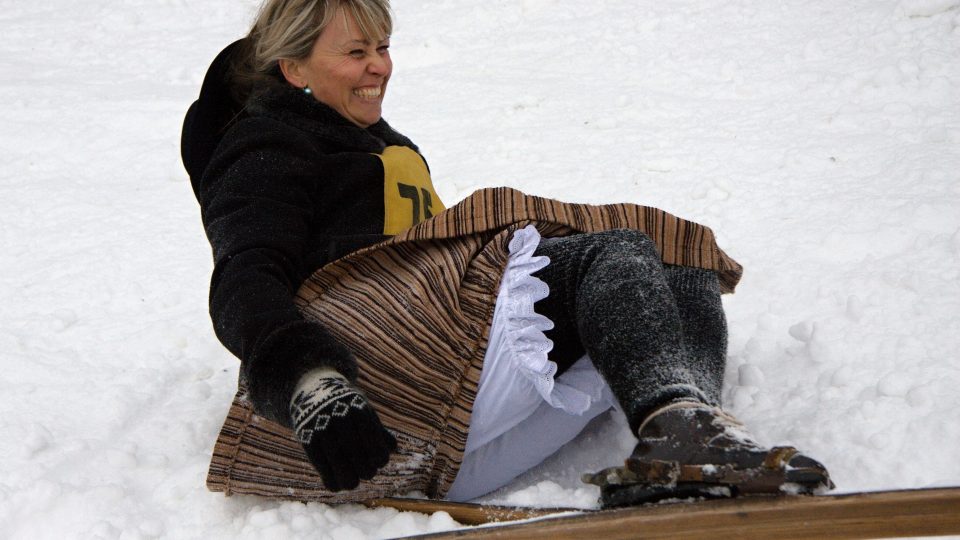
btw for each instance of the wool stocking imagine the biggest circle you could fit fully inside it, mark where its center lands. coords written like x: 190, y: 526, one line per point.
x: 611, y: 296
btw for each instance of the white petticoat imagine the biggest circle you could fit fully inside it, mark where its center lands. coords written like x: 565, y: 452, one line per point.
x: 522, y: 414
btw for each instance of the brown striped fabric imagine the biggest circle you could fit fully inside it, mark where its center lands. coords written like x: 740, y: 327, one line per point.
x: 415, y: 310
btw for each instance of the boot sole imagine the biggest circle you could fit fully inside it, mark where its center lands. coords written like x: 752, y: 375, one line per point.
x: 641, y: 481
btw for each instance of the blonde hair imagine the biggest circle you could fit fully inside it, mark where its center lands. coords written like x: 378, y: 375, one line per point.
x: 287, y: 29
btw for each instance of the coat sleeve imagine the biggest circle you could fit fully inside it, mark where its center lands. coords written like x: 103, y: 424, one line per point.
x: 255, y: 203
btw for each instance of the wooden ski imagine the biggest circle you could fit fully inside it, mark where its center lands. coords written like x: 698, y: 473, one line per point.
x: 467, y: 513
x: 881, y: 514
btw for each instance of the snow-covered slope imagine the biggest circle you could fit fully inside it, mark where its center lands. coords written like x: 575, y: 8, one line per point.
x: 819, y: 139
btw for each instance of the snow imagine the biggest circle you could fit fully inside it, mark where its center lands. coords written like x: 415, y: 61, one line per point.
x: 820, y: 140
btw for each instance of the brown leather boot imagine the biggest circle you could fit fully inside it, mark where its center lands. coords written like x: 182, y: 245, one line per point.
x: 692, y: 450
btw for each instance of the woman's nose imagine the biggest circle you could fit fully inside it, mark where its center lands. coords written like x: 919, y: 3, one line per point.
x: 378, y: 65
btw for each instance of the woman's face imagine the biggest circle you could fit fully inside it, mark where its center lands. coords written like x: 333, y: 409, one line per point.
x: 345, y: 70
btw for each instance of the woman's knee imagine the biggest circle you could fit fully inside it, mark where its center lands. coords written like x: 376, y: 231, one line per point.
x: 603, y: 255
x: 627, y: 241
x: 580, y: 242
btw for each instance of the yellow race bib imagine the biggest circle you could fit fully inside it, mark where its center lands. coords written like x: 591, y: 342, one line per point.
x: 408, y: 195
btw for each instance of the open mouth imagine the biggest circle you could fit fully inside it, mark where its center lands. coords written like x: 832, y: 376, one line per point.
x: 369, y: 92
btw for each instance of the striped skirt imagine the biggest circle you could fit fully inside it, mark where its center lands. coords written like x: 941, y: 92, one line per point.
x: 416, y: 311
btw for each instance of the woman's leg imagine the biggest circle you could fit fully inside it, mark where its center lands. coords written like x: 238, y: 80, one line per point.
x: 697, y: 294
x: 611, y: 296
x: 657, y: 334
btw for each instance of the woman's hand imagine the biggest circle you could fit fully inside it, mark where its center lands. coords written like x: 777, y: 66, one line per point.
x: 340, y: 432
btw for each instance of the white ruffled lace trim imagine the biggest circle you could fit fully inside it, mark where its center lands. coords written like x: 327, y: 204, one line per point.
x: 524, y: 329
x: 522, y: 413
x: 517, y: 375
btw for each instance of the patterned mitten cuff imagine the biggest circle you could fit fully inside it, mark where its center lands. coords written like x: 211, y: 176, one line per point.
x: 340, y: 432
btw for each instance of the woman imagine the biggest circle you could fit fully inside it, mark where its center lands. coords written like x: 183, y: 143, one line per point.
x: 296, y: 171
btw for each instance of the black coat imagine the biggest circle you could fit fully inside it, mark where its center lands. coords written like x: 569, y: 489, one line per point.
x: 291, y: 186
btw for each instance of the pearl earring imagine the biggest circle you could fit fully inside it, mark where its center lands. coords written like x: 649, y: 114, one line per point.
x: 307, y: 90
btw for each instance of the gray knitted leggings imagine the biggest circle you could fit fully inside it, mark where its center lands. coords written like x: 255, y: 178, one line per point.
x: 655, y: 332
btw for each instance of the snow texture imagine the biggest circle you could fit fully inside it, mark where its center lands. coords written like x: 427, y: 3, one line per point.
x: 819, y: 139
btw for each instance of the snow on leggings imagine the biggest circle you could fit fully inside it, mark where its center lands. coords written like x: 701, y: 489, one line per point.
x: 655, y: 332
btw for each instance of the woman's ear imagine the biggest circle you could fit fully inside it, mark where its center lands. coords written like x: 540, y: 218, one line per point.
x: 291, y: 72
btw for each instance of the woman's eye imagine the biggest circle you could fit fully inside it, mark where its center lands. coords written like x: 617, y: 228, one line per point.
x: 357, y: 53
x: 383, y: 49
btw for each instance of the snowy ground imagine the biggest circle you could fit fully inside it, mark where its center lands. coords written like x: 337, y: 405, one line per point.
x: 820, y: 140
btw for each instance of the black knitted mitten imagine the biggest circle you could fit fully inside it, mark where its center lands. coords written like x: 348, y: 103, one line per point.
x: 340, y: 432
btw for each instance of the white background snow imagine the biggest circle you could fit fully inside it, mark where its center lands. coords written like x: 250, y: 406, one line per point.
x: 819, y: 139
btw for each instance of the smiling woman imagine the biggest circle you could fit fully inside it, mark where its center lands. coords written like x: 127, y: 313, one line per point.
x: 389, y: 345
x: 346, y: 69
x: 339, y: 52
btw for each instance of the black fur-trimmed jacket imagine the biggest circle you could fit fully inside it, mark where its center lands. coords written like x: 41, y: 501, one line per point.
x: 290, y: 187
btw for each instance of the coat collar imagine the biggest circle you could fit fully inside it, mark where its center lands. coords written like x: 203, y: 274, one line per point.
x: 293, y: 107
